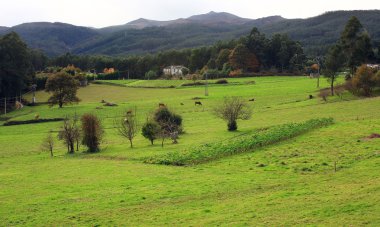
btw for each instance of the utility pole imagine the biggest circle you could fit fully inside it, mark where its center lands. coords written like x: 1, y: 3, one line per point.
x: 34, y: 87
x: 5, y: 106
x: 318, y: 60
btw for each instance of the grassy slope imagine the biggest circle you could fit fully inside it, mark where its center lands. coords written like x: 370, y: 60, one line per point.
x: 296, y: 186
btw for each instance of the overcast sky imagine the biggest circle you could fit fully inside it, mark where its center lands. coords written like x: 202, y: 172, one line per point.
x: 101, y: 13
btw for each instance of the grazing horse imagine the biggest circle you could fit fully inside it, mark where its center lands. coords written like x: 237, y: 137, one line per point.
x: 252, y: 100
x: 161, y: 105
x: 129, y: 112
x: 198, y: 103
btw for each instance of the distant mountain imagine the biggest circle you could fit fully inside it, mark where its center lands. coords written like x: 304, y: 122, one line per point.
x: 2, y: 28
x: 211, y: 18
x: 317, y: 33
x: 149, y: 36
x: 53, y: 38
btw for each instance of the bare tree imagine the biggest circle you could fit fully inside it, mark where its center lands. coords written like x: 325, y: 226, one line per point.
x: 69, y: 133
x: 127, y: 126
x: 48, y: 144
x: 232, y: 109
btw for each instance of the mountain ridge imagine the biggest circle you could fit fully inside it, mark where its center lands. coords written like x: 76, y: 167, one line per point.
x: 148, y: 36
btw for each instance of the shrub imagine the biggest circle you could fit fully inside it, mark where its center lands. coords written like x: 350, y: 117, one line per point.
x: 364, y: 81
x: 324, y: 93
x: 92, y: 132
x: 221, y: 81
x: 10, y: 123
x: 48, y: 144
x: 236, y: 73
x: 197, y: 83
x: 151, y: 131
x: 169, y: 122
x: 231, y: 110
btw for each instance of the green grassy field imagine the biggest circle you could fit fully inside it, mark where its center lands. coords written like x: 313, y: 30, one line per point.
x: 292, y: 182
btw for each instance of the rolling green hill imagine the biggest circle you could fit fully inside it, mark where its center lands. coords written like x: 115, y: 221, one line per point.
x: 328, y: 176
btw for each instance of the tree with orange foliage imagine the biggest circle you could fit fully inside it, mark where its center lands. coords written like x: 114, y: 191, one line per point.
x: 364, y: 80
x: 242, y: 58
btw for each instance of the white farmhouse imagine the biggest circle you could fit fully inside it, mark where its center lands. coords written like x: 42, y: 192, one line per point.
x: 174, y: 70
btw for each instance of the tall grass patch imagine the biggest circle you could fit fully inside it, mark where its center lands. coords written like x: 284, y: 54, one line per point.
x: 244, y: 143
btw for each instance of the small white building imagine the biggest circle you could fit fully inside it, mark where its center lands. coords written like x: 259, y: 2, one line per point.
x: 374, y: 66
x: 174, y: 70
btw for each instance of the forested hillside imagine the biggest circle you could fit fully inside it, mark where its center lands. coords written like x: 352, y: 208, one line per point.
x: 148, y: 36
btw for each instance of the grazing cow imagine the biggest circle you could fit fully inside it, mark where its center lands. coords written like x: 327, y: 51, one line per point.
x: 198, y: 103
x: 19, y: 105
x: 129, y: 112
x: 182, y: 104
x: 251, y: 100
x: 311, y: 96
x: 161, y: 105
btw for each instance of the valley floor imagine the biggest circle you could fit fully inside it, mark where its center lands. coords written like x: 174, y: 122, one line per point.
x: 293, y: 182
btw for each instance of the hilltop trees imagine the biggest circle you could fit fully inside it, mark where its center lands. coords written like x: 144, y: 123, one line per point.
x: 252, y: 53
x: 356, y: 44
x: 64, y: 88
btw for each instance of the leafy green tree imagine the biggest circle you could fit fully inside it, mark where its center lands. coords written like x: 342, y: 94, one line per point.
x: 222, y: 58
x: 15, y: 65
x: 63, y: 88
x: 356, y: 44
x: 151, y: 131
x: 198, y: 58
x: 169, y: 122
x: 257, y: 43
x: 151, y: 74
x: 333, y: 64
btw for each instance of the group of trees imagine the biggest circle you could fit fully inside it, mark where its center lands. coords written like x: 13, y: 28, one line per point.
x: 163, y: 124
x: 353, y: 49
x: 16, y: 68
x: 88, y: 132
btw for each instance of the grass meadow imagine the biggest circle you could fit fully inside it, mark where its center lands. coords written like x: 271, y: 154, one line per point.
x: 292, y: 182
